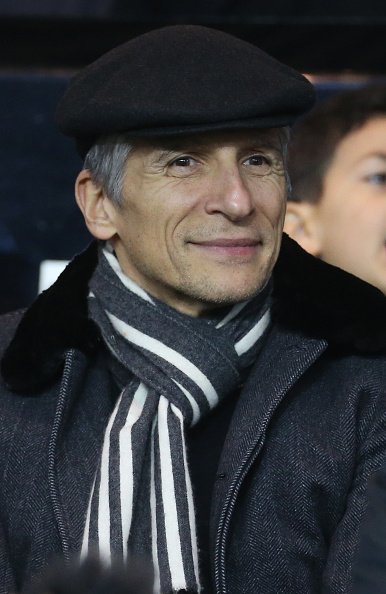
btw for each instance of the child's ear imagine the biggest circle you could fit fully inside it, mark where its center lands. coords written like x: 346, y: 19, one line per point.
x: 301, y: 224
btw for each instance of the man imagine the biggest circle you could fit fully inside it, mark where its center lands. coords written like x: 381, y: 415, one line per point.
x: 171, y: 397
x: 337, y: 210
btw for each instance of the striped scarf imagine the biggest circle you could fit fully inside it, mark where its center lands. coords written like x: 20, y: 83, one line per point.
x: 179, y: 368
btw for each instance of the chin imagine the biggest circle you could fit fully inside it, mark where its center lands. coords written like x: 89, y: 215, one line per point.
x: 232, y: 295
x: 217, y: 290
x: 241, y: 289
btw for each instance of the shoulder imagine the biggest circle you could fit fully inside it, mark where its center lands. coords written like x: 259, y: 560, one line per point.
x: 56, y: 322
x: 325, y: 302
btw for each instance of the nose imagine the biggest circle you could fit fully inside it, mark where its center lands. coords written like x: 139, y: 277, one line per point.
x: 229, y: 195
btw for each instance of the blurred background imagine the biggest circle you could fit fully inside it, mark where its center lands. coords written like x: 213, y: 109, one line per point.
x: 44, y: 42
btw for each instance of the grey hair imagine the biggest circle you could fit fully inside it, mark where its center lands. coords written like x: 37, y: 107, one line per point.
x: 106, y: 161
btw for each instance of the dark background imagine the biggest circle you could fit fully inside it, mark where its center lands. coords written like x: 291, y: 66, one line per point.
x: 44, y: 42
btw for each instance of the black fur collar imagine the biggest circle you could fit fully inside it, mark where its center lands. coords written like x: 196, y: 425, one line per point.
x: 311, y: 297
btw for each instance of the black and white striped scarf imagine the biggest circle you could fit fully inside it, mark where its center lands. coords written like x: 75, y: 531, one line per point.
x: 180, y: 367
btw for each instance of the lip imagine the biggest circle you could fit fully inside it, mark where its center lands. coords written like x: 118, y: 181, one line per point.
x: 227, y: 242
x: 228, y: 247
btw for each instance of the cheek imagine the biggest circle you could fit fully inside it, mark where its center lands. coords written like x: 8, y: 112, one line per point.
x: 348, y: 235
x: 161, y: 232
x: 143, y: 219
x: 353, y: 217
x: 350, y: 206
x: 271, y: 200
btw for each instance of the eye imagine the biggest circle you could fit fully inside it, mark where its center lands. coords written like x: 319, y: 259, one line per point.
x: 260, y: 164
x: 184, y: 161
x: 183, y: 166
x: 378, y: 179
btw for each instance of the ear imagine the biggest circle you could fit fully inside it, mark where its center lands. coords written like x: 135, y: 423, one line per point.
x: 96, y: 208
x: 301, y: 224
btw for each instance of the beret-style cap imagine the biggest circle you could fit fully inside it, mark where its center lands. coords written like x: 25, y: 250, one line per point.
x: 181, y: 79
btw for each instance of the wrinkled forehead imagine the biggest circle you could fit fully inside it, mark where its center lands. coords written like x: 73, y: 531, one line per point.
x: 258, y: 137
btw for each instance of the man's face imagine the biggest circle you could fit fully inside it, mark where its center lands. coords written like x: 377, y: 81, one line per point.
x: 352, y: 211
x: 202, y: 216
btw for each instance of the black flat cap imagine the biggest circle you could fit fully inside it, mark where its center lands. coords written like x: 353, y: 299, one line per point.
x: 181, y: 79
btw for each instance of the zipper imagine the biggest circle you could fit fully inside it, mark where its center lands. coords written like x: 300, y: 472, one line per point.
x: 226, y: 514
x: 60, y: 407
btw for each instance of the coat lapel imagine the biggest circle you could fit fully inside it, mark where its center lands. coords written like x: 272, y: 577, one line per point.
x: 266, y: 387
x: 76, y: 446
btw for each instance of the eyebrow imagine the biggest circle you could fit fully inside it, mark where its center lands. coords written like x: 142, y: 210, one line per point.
x: 168, y: 148
x: 163, y: 155
x: 377, y: 155
x: 176, y: 147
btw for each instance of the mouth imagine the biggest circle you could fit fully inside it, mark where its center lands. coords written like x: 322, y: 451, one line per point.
x: 228, y: 247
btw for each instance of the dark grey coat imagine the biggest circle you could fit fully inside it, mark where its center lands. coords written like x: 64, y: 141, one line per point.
x: 308, y: 430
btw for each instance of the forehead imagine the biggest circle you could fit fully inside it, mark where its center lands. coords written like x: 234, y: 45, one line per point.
x: 271, y: 137
x: 367, y: 140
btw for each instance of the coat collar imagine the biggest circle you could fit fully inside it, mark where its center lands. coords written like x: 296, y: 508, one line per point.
x: 311, y: 297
